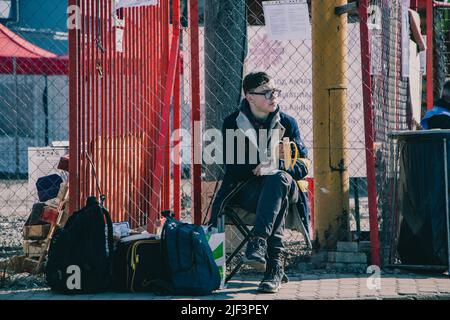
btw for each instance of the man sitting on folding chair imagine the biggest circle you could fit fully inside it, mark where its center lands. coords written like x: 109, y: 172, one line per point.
x: 263, y: 183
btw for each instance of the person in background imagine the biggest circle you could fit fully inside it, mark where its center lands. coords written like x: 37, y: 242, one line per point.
x: 439, y: 116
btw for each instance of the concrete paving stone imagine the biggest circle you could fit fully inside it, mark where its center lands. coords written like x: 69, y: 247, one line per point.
x: 310, y: 287
x: 348, y: 288
x: 348, y: 281
x: 288, y: 291
x: 327, y: 296
x: 305, y: 293
x: 285, y: 297
x: 385, y: 291
x: 406, y: 288
x: 388, y: 282
x: 304, y: 282
x: 347, y: 295
x: 328, y: 288
x: 328, y: 291
x: 431, y: 289
x: 347, y: 291
x: 405, y: 293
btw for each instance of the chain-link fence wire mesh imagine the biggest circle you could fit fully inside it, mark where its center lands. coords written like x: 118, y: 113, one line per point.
x: 120, y: 83
x: 121, y: 122
x: 237, y: 45
x: 391, y: 106
x: 389, y: 156
x: 441, y: 28
x: 33, y: 107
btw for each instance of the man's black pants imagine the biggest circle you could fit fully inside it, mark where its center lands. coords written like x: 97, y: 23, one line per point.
x: 269, y: 197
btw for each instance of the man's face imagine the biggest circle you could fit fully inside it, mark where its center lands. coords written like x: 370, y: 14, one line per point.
x: 258, y: 100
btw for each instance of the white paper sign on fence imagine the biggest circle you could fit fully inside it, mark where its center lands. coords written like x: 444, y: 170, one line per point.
x: 287, y: 20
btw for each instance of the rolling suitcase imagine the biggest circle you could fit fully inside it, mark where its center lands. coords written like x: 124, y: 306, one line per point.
x: 137, y: 265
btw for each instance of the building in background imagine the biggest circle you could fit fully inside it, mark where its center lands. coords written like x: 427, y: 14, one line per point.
x: 33, y: 80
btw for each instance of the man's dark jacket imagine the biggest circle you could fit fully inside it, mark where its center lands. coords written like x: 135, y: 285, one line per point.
x: 237, y: 174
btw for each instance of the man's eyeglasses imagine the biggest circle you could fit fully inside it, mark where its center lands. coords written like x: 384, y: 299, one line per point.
x: 268, y: 94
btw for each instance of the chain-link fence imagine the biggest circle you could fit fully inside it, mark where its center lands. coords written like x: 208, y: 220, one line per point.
x: 121, y: 110
x: 405, y: 111
x: 34, y: 109
x: 235, y: 40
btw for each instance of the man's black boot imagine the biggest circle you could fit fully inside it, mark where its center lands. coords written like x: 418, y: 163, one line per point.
x: 273, y: 277
x: 255, y: 253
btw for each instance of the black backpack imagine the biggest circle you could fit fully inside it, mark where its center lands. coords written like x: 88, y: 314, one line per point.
x: 78, y: 261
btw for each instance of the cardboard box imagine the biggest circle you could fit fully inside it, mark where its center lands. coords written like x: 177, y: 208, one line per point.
x: 36, y: 232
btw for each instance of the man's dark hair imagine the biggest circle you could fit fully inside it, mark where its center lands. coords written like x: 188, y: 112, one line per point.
x: 254, y: 80
x: 446, y: 90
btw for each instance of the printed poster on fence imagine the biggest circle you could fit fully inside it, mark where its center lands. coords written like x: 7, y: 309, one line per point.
x: 287, y: 20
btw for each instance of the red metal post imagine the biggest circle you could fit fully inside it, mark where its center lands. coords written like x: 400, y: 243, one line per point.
x: 176, y: 121
x: 196, y: 136
x: 166, y: 175
x: 369, y: 132
x: 165, y: 121
x: 430, y: 84
x: 74, y: 144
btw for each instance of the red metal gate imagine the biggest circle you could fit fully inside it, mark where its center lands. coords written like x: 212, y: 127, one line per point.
x: 120, y: 100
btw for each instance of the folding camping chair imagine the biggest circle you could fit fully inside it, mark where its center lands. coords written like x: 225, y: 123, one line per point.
x: 242, y: 219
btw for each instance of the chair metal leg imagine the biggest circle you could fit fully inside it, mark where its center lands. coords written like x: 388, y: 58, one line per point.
x: 245, y: 231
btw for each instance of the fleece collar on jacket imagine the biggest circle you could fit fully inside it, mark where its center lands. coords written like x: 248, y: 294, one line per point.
x: 244, y: 124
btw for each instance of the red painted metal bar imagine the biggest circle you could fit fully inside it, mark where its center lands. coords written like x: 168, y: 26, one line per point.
x: 165, y: 121
x: 430, y: 85
x: 74, y: 143
x: 106, y: 85
x: 146, y: 111
x: 177, y: 144
x: 104, y: 115
x: 132, y: 109
x: 152, y: 140
x: 94, y: 143
x: 176, y: 120
x: 120, y: 126
x: 195, y: 92
x: 166, y: 177
x: 369, y: 132
x: 84, y: 69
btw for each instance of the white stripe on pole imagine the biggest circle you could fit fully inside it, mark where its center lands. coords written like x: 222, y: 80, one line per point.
x: 134, y: 3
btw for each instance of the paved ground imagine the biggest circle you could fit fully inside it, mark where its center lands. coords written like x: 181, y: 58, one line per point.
x: 314, y: 286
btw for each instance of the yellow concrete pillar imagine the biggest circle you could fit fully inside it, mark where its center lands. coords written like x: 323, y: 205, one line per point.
x: 331, y: 177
